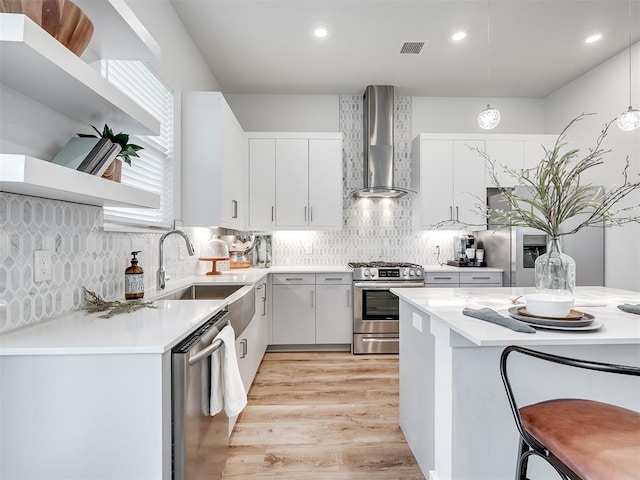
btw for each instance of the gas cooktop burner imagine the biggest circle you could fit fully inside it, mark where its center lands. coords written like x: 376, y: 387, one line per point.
x: 382, y: 265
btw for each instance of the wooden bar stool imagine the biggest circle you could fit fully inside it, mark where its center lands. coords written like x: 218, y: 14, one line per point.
x: 580, y: 439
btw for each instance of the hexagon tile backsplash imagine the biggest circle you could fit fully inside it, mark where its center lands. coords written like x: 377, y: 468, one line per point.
x: 82, y: 255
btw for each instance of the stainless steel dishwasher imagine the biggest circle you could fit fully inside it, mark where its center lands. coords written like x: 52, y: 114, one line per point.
x: 199, y: 441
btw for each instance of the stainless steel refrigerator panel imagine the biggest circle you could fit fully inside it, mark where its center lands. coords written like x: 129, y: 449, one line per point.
x: 497, y: 252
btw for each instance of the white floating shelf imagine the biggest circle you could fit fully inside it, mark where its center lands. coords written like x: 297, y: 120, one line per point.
x: 38, y: 66
x: 38, y: 178
x: 118, y: 33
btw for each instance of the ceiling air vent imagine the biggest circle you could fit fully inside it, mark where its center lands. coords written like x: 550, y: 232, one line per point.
x: 411, y: 48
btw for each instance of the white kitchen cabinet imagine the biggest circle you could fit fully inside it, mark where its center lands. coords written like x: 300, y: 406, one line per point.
x: 448, y: 175
x: 325, y: 183
x: 295, y: 181
x: 515, y: 152
x: 334, y: 312
x: 293, y: 309
x: 214, y: 163
x: 312, y: 309
x: 262, y: 183
x: 454, y: 279
x: 292, y: 182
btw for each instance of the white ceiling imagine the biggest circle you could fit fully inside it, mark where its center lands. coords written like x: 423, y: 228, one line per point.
x: 267, y: 46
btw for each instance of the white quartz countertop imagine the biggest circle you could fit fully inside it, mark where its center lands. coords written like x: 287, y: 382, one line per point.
x: 148, y: 330
x: 446, y: 304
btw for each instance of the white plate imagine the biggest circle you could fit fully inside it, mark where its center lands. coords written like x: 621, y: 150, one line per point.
x: 587, y: 328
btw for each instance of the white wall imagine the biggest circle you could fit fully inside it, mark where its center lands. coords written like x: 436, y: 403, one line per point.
x: 459, y: 115
x: 286, y: 113
x: 604, y: 91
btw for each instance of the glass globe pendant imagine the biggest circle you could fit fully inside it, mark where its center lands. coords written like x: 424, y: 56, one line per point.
x: 489, y: 118
x: 629, y: 120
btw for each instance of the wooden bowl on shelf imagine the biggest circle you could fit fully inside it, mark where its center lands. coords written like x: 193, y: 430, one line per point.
x: 62, y: 19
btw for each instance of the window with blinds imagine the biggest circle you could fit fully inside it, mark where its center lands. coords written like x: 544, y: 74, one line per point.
x: 153, y: 169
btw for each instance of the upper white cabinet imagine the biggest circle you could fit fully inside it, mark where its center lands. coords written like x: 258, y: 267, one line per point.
x: 515, y: 153
x: 448, y: 174
x: 214, y: 163
x: 295, y: 181
x: 38, y: 66
x: 451, y: 176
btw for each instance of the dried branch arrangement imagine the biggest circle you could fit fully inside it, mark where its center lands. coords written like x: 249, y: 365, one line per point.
x: 555, y: 192
x: 95, y: 303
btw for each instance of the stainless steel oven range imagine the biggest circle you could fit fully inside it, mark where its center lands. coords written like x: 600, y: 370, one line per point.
x: 375, y: 308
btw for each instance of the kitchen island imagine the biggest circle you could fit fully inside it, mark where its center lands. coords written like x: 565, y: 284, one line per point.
x: 453, y: 407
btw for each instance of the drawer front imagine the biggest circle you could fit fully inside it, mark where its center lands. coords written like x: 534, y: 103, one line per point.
x: 481, y: 277
x: 442, y: 278
x: 294, y: 278
x: 333, y: 278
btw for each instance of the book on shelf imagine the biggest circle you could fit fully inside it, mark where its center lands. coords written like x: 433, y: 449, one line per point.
x: 80, y: 151
x: 95, y: 155
x: 106, y: 160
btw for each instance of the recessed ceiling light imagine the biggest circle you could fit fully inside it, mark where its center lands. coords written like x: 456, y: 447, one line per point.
x: 593, y: 38
x: 321, y: 32
x: 458, y: 36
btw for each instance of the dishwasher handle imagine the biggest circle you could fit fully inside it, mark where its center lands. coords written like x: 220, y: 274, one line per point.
x: 211, y: 349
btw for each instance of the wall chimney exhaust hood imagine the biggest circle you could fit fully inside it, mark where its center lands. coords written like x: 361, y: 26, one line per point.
x: 378, y: 145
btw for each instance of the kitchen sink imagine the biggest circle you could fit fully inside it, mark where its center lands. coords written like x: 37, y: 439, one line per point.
x: 241, y: 306
x: 203, y: 292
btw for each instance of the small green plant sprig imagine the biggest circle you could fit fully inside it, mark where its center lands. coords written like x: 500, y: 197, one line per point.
x: 556, y: 193
x: 128, y: 149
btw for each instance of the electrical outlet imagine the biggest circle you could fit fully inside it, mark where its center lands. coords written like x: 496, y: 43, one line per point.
x: 41, y: 265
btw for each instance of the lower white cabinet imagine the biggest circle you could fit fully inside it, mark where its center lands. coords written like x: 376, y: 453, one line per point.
x: 463, y: 279
x: 312, y: 309
x: 252, y: 342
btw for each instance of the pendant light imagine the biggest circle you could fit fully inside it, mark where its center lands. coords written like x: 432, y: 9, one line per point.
x: 629, y: 120
x: 489, y: 118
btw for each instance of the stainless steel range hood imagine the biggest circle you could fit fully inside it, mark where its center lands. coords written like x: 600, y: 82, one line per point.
x: 378, y: 145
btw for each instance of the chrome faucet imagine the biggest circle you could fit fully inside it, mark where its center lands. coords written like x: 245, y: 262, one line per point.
x: 161, y: 271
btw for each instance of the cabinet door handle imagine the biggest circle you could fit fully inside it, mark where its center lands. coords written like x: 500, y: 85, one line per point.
x: 272, y: 213
x: 234, y: 209
x: 481, y: 278
x: 333, y: 278
x: 450, y: 212
x: 292, y: 279
x: 243, y: 342
x: 310, y: 214
x: 313, y: 297
x: 305, y: 214
x: 442, y: 278
x: 457, y: 214
x: 264, y: 305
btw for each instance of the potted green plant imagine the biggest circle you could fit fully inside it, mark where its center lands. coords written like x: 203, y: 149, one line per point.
x: 555, y: 193
x: 129, y: 150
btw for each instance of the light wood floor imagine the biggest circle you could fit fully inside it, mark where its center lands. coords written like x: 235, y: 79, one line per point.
x: 322, y: 416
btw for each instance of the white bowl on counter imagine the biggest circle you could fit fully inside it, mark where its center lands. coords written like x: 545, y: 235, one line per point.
x: 548, y: 305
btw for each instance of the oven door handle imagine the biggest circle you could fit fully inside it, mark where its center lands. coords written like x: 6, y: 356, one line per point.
x: 381, y: 340
x: 386, y: 286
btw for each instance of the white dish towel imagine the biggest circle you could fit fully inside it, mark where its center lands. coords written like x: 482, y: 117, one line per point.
x: 227, y: 390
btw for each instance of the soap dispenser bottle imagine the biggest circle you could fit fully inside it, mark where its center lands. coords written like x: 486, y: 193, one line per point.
x: 134, y: 279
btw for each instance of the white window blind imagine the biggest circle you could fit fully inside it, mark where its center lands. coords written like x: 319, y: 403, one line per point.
x: 153, y: 169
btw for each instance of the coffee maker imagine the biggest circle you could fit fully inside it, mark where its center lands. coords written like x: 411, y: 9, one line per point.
x: 464, y: 248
